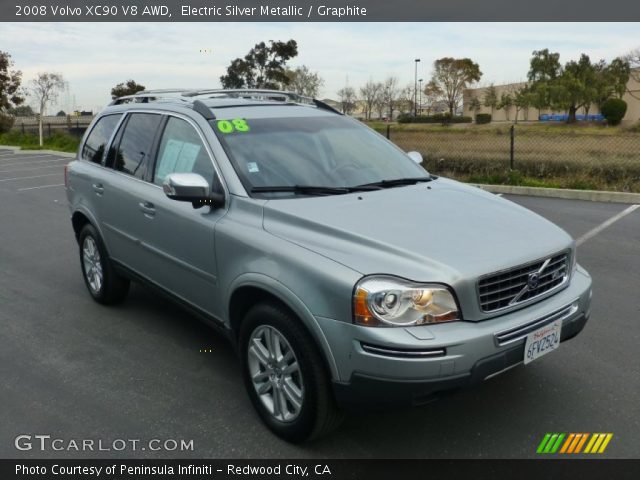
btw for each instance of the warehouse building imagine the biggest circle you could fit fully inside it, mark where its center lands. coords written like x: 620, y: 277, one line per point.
x: 632, y: 97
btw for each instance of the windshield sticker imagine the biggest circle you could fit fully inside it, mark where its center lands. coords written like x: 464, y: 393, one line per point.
x: 253, y: 167
x: 230, y: 126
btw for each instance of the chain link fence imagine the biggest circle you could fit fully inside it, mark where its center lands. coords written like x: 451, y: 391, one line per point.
x: 583, y: 157
x: 70, y: 125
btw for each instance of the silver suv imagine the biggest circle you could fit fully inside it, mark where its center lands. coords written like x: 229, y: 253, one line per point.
x: 344, y: 273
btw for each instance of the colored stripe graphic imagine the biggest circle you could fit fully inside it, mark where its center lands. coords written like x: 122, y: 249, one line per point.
x: 573, y: 443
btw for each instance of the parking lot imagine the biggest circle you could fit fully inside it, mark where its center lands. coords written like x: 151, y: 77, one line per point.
x: 73, y: 369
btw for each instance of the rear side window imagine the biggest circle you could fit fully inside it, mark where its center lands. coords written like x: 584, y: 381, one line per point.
x: 93, y: 149
x: 135, y: 149
x: 182, y: 151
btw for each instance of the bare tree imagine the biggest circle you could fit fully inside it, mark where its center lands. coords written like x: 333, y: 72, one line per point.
x: 430, y: 97
x: 389, y: 95
x: 633, y: 58
x: 45, y: 89
x: 347, y: 99
x: 369, y: 94
x: 304, y: 82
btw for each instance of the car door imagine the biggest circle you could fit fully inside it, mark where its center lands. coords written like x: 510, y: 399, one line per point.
x: 124, y: 216
x: 177, y: 238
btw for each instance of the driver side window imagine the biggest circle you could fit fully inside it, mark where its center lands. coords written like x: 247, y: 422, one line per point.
x: 182, y: 151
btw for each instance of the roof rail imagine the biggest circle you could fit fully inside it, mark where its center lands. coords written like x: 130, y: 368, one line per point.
x: 194, y: 96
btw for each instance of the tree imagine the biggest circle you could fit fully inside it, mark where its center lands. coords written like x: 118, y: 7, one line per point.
x: 130, y: 87
x: 263, y: 67
x: 614, y: 110
x: 452, y: 76
x: 389, y: 95
x: 304, y: 82
x: 578, y: 84
x: 369, y: 94
x: 10, y: 81
x: 430, y: 97
x: 45, y: 89
x: 523, y: 99
x: 633, y: 58
x: 491, y: 98
x: 21, y: 111
x: 347, y: 99
x: 475, y: 106
x: 505, y: 103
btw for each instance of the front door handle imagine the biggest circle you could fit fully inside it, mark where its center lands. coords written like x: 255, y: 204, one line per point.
x: 98, y: 188
x: 147, y: 208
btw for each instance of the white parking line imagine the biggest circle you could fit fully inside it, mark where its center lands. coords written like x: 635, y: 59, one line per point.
x: 31, y: 169
x: 31, y: 176
x: 31, y: 162
x: 41, y: 186
x: 592, y: 233
x: 499, y: 194
x: 26, y: 155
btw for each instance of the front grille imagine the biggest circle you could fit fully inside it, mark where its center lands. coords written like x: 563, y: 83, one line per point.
x: 522, y: 283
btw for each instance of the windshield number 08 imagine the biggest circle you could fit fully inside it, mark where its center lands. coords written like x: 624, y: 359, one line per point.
x: 230, y: 126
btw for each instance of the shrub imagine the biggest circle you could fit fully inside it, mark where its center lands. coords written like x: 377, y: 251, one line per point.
x: 6, y: 122
x: 482, y: 118
x: 614, y: 110
x: 443, y: 118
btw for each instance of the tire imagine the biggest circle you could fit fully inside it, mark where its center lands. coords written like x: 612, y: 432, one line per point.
x: 102, y: 281
x: 309, y: 384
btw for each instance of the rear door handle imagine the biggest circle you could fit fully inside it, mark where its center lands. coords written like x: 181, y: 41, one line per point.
x: 98, y: 188
x: 147, y: 208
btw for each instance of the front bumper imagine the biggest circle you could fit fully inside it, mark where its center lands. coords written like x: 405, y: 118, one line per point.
x: 413, y: 365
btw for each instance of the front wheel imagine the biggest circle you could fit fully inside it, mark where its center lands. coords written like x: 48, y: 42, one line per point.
x: 102, y: 281
x: 285, y: 376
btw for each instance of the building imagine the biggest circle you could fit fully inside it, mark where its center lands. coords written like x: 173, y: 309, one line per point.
x: 632, y: 97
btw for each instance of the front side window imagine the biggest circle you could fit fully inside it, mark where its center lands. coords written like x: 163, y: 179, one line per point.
x: 182, y: 151
x: 93, y: 148
x: 135, y: 149
x: 331, y: 151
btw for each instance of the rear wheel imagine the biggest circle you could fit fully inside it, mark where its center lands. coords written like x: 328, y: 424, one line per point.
x: 285, y: 376
x: 102, y: 281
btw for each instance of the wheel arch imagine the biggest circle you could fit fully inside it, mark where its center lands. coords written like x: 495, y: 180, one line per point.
x: 250, y: 289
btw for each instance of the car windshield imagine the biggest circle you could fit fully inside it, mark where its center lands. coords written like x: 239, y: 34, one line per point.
x: 332, y: 154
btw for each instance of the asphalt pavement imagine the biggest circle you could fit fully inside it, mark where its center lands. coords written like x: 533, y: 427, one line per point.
x: 143, y: 370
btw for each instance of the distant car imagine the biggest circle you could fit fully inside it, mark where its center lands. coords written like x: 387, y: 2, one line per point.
x: 345, y: 273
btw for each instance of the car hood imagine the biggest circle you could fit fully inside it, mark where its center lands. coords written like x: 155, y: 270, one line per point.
x: 441, y: 231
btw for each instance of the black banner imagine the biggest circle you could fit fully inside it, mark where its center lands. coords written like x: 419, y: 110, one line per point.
x: 582, y: 469
x: 317, y: 10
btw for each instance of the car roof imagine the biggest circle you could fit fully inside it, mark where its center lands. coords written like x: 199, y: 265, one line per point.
x: 225, y: 103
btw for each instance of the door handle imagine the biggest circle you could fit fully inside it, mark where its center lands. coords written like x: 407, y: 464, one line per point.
x: 147, y: 208
x: 98, y: 188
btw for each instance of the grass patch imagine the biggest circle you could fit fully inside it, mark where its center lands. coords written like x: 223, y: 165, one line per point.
x: 28, y: 141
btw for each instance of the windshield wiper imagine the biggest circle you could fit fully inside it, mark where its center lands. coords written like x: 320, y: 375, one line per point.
x: 314, y: 189
x: 396, y: 182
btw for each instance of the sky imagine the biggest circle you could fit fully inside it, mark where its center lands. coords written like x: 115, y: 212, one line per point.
x: 94, y: 57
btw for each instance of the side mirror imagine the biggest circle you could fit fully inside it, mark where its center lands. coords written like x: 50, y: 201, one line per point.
x: 191, y: 187
x: 415, y: 156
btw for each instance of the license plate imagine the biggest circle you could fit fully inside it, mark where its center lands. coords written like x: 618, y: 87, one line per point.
x: 542, y: 341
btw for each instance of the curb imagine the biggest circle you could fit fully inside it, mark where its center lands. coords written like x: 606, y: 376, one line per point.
x: 589, y: 195
x: 51, y: 152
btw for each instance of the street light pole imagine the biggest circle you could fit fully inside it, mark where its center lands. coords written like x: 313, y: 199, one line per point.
x: 420, y: 102
x: 415, y: 89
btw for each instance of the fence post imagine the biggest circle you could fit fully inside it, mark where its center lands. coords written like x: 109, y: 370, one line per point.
x: 388, y: 132
x: 23, y: 128
x: 512, y: 135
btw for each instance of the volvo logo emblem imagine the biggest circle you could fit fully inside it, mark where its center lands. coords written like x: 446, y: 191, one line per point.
x: 533, y: 280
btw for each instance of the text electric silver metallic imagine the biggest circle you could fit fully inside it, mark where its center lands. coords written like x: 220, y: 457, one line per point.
x: 343, y: 271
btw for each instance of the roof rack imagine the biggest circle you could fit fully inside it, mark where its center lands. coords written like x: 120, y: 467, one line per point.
x: 194, y: 96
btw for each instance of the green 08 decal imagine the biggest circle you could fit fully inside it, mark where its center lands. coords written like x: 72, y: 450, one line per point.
x: 230, y: 126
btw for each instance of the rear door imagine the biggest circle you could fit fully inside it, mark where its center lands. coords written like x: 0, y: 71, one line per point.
x: 124, y: 214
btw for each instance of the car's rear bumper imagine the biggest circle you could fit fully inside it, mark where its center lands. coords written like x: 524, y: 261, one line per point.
x: 383, y: 366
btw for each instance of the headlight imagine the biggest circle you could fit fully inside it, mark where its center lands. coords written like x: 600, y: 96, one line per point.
x: 390, y: 301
